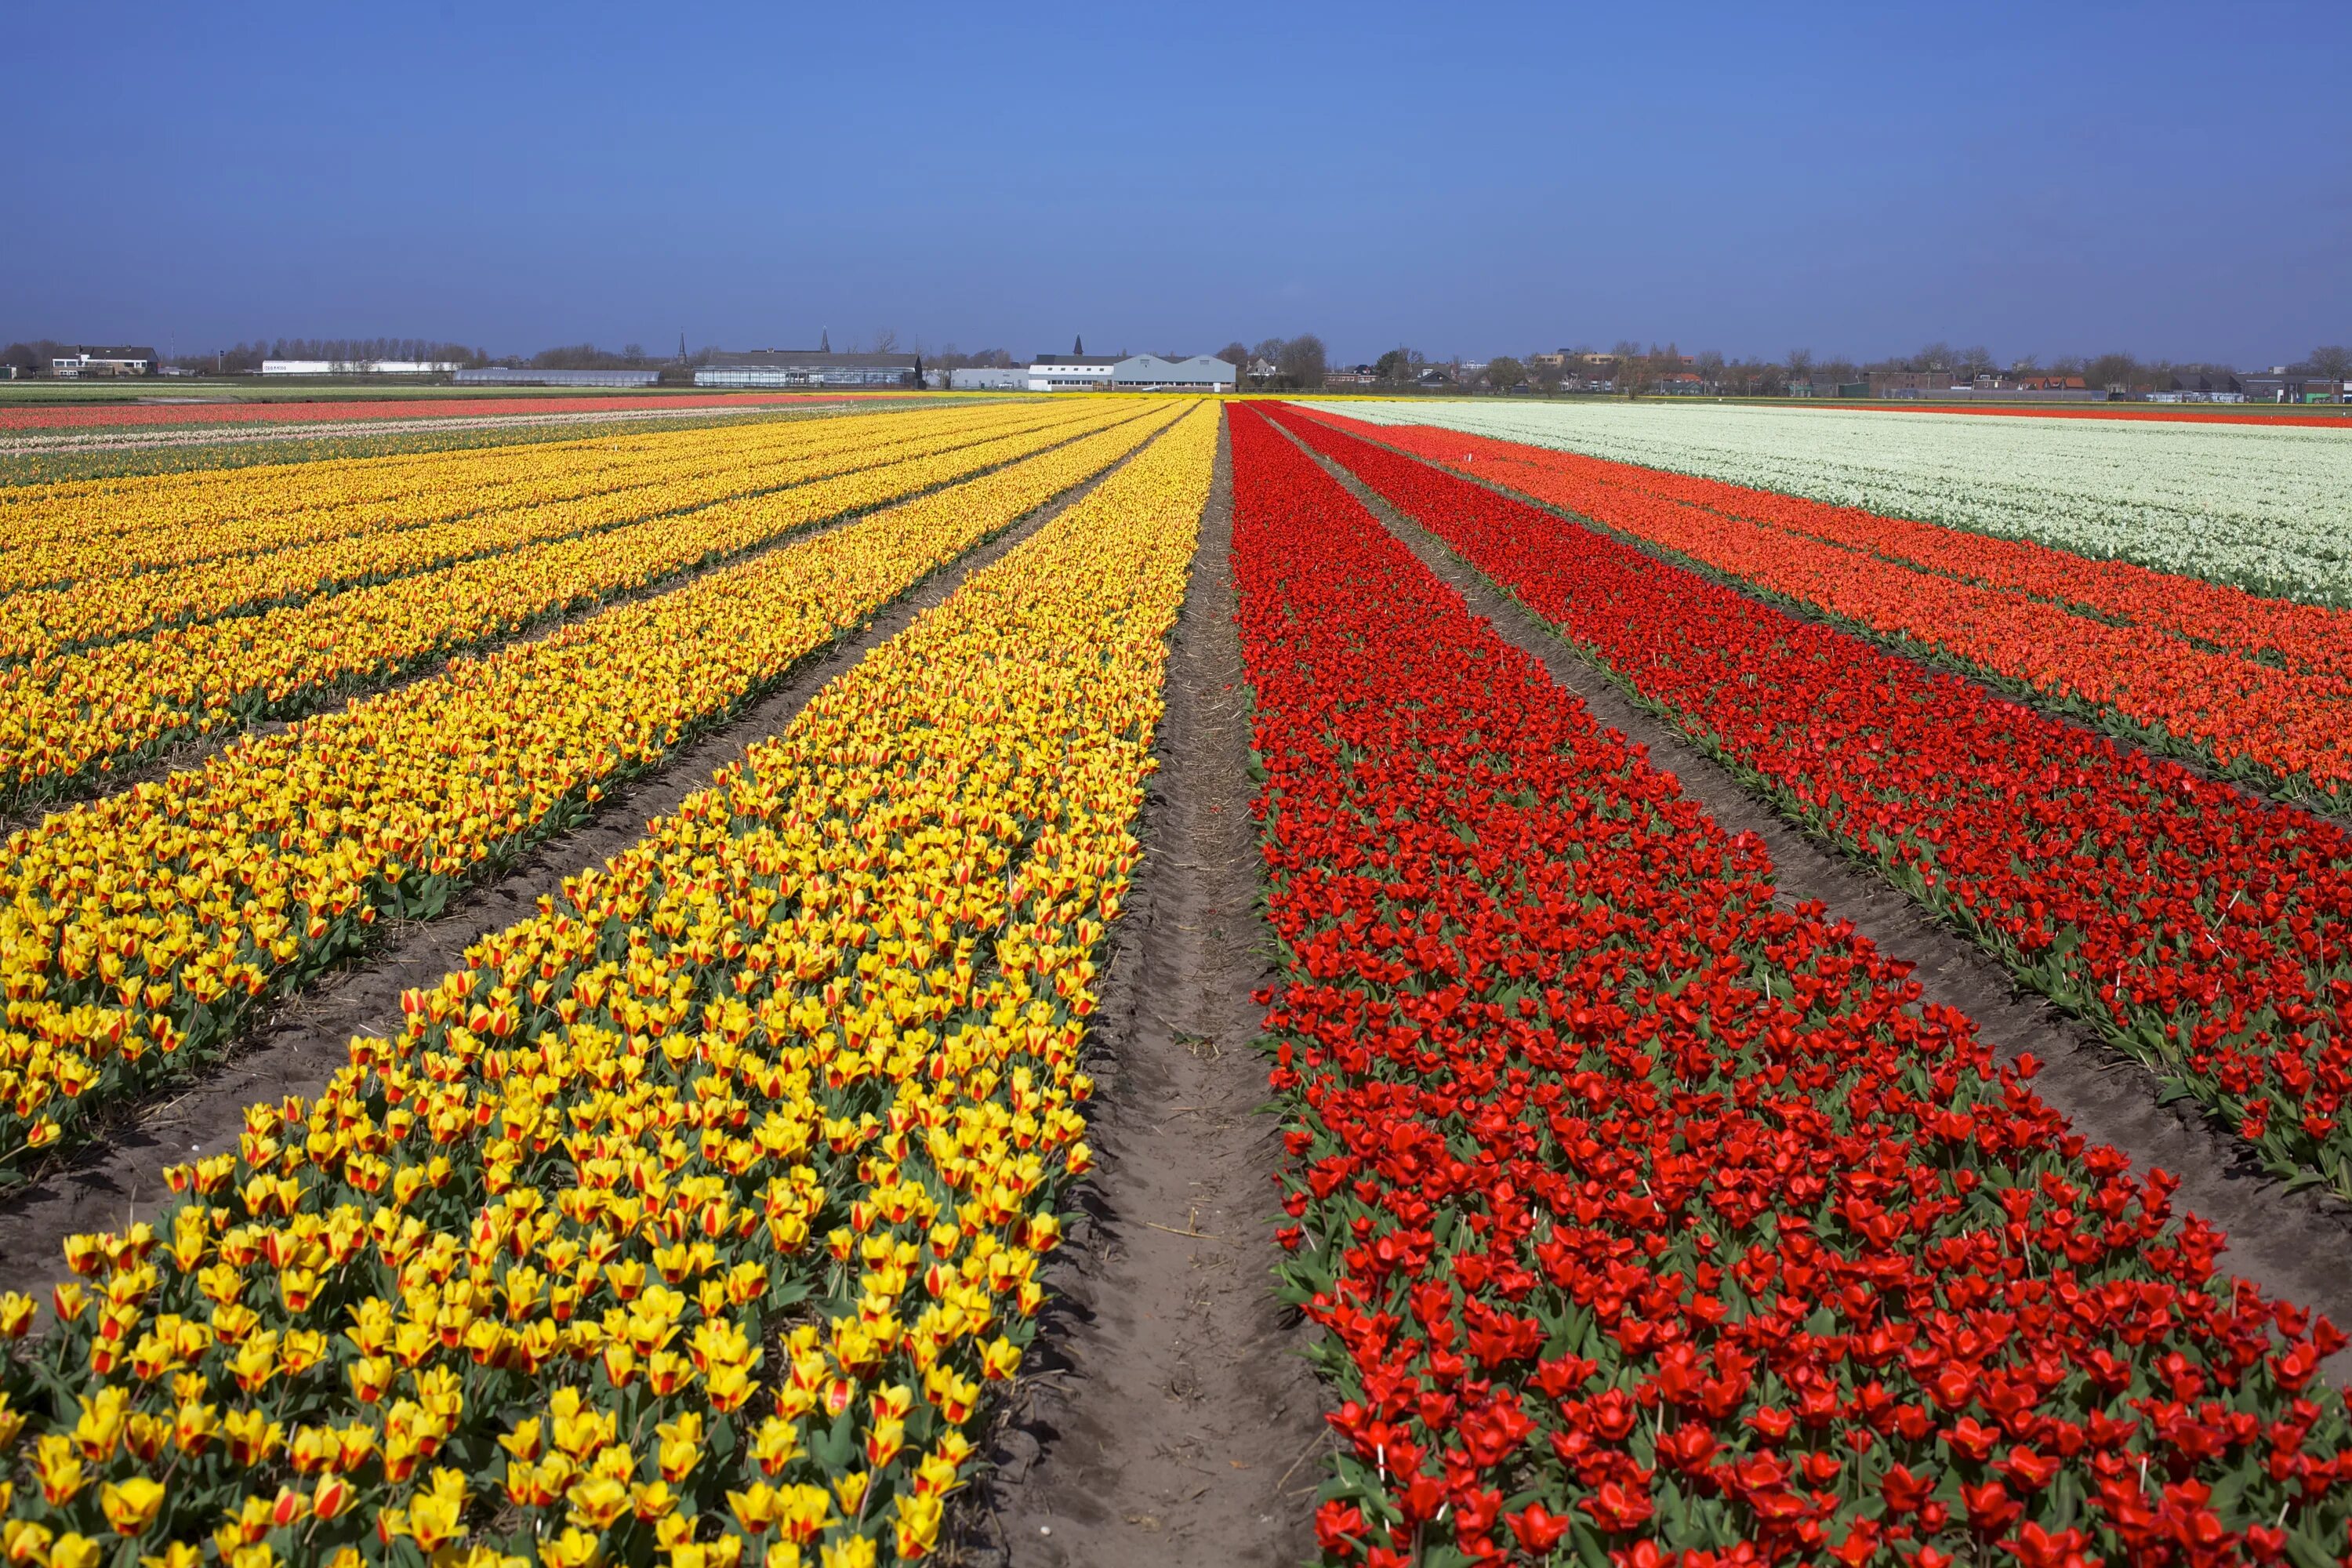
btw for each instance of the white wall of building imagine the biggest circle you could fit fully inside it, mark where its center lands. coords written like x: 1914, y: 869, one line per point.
x: 355, y: 366
x: 1150, y: 372
x: 1082, y: 375
x: 989, y: 378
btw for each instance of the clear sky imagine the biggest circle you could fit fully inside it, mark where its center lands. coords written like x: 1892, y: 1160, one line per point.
x: 2169, y: 180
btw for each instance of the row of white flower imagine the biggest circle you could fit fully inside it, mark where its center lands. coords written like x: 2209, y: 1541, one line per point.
x: 2267, y: 508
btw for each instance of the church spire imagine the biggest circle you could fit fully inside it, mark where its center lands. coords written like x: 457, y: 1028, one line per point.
x: 1078, y: 348
x: 825, y: 340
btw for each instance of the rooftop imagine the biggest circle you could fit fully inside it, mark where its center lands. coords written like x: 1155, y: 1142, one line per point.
x: 761, y: 358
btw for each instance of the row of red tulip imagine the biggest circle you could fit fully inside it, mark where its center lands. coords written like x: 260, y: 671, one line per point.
x: 2207, y: 932
x: 1652, y: 1224
x: 2259, y: 685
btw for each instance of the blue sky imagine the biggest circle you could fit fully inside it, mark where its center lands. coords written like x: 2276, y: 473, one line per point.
x: 2171, y: 180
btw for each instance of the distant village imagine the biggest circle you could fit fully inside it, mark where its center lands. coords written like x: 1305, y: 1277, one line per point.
x: 823, y: 366
x: 1631, y: 372
x: 1937, y: 374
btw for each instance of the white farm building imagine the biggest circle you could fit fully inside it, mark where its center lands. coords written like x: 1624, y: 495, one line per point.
x: 357, y: 366
x: 1150, y: 372
x: 1077, y: 372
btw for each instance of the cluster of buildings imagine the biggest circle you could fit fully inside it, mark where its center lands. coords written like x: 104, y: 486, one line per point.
x: 1079, y: 370
x: 825, y: 366
x: 357, y: 367
x: 2277, y: 384
x: 1671, y: 374
x: 820, y: 367
x: 82, y: 364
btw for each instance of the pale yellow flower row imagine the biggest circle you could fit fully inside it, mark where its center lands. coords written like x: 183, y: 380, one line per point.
x: 690, y: 1221
x: 96, y: 609
x: 82, y: 532
x: 72, y: 715
x: 136, y: 928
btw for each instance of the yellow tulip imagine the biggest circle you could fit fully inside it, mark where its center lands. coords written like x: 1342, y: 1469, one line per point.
x: 130, y: 1507
x: 850, y: 978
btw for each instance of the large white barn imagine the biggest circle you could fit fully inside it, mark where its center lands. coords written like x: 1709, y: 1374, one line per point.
x: 1150, y: 372
x: 1079, y: 372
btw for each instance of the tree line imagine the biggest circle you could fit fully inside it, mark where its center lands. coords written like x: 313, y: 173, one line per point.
x: 1301, y: 363
x: 1631, y: 369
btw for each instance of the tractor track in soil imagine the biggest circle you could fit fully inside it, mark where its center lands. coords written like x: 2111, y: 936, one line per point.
x: 2296, y: 1246
x: 1167, y: 1414
x: 300, y: 1041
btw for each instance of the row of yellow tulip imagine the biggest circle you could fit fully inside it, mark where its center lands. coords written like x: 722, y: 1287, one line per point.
x: 67, y: 533
x: 93, y: 610
x: 68, y: 720
x: 690, y: 1221
x: 135, y: 931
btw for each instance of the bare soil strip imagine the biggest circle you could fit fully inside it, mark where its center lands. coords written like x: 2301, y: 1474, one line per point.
x: 2294, y: 1245
x: 1168, y: 1415
x: 306, y: 1039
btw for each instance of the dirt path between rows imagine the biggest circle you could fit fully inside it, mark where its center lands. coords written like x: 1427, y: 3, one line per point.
x: 305, y: 1037
x: 2296, y: 1246
x: 1170, y: 1418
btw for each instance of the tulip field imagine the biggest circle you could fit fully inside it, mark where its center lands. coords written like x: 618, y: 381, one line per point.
x: 1647, y: 1217
x: 2264, y: 507
x: 1636, y: 1212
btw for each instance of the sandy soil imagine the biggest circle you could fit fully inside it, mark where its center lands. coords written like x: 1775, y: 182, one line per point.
x: 1169, y: 1417
x: 2293, y: 1245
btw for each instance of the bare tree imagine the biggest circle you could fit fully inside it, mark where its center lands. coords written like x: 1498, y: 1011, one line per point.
x: 2114, y: 370
x: 1301, y: 361
x: 1637, y: 372
x: 886, y: 341
x: 2330, y: 360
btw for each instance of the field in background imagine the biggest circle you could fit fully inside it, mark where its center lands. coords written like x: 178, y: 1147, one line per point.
x: 2265, y: 508
x: 101, y: 456
x: 52, y: 406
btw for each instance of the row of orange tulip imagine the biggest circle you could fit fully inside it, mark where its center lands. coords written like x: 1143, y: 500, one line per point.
x: 134, y: 931
x: 95, y: 609
x: 2148, y: 676
x: 690, y: 1221
x: 67, y: 722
